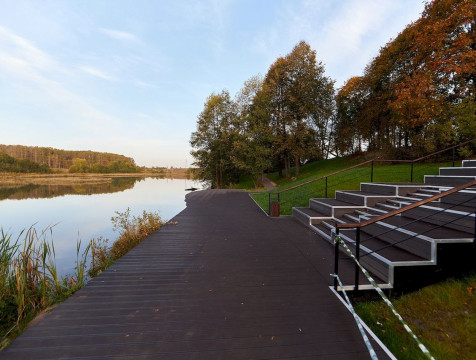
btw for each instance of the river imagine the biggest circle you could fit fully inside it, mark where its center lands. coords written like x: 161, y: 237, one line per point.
x: 82, y: 212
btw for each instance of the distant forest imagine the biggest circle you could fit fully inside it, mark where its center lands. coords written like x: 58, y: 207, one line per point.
x: 61, y: 159
x: 416, y: 96
x: 10, y: 164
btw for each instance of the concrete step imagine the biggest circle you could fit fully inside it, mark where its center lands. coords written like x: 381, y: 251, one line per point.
x: 361, y: 198
x: 452, y: 219
x: 427, y: 229
x: 406, y: 246
x: 452, y: 181
x: 390, y: 235
x: 374, y: 263
x: 391, y: 189
x: 332, y: 207
x: 463, y: 201
x: 403, y: 239
x: 464, y: 198
x: 458, y: 171
x: 428, y: 191
x: 469, y: 163
x: 308, y: 216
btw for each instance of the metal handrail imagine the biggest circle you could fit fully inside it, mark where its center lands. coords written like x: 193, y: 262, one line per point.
x: 370, y: 161
x: 358, y: 226
x: 408, y: 207
x: 323, y: 177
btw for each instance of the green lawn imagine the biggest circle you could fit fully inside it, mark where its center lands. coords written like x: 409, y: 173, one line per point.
x: 348, y: 180
x: 443, y: 317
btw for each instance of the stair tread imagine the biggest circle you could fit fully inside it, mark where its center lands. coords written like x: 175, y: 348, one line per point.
x: 312, y: 212
x: 397, y: 183
x: 334, y: 202
x: 404, y: 238
x: 323, y: 228
x: 365, y: 193
x: 436, y: 204
x: 428, y: 229
x: 391, y: 253
x: 373, y: 211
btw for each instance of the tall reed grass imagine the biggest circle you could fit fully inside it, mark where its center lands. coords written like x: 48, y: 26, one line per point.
x: 29, y: 280
x: 132, y: 230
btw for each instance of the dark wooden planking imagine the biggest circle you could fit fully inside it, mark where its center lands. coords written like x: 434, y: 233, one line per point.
x: 226, y: 282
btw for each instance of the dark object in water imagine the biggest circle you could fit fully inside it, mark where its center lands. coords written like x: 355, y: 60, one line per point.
x: 191, y: 189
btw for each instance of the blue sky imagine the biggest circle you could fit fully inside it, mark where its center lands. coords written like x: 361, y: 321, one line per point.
x: 130, y: 77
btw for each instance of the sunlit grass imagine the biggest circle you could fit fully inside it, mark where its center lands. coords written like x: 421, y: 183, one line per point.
x: 348, y: 180
x: 443, y: 316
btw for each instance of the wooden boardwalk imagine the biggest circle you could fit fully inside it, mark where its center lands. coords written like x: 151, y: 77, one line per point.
x: 226, y: 282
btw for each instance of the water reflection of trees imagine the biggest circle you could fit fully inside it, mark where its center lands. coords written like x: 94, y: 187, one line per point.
x: 35, y: 191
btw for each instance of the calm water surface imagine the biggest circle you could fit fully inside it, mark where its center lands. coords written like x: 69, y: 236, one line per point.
x: 85, y: 211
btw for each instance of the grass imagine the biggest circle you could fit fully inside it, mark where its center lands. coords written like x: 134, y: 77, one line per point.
x: 348, y: 180
x: 29, y: 281
x: 443, y: 316
x: 132, y: 230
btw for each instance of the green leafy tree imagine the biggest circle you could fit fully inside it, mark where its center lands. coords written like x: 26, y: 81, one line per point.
x: 79, y: 166
x: 301, y: 103
x: 213, y: 141
x: 10, y: 164
x: 251, y: 151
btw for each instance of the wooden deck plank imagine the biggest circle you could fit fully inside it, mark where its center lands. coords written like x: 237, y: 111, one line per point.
x: 226, y: 282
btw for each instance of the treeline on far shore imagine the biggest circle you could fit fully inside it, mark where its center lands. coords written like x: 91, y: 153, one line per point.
x: 34, y: 159
x: 11, y: 164
x: 60, y: 159
x: 118, y: 166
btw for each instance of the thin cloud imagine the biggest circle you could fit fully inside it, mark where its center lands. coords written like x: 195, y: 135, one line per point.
x: 346, y: 35
x: 96, y: 72
x: 119, y: 35
x: 21, y: 52
x: 26, y: 65
x: 144, y: 84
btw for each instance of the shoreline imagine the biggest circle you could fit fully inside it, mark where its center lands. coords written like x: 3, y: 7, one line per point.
x: 19, y: 179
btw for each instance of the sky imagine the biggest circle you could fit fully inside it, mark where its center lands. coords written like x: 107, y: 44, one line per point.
x: 131, y: 77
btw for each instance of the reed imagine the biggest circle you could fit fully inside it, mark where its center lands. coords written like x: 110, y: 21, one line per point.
x: 29, y: 280
x: 132, y: 230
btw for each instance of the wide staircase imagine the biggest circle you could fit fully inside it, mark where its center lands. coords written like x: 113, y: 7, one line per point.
x: 408, y: 235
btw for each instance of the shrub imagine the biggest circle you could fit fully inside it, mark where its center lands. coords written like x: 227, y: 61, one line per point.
x: 132, y: 230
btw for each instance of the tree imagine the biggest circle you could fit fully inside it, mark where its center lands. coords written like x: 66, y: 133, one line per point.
x: 347, y: 135
x: 213, y: 141
x: 252, y: 141
x: 79, y: 166
x: 418, y: 94
x: 301, y: 104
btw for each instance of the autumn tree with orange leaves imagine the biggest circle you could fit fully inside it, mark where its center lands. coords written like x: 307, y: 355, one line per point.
x: 418, y: 94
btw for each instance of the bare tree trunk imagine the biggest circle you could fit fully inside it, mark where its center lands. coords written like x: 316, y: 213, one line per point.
x: 296, y: 166
x: 287, y: 163
x: 217, y: 178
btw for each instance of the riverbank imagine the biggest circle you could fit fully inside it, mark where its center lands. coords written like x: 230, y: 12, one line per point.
x: 19, y: 179
x: 30, y: 284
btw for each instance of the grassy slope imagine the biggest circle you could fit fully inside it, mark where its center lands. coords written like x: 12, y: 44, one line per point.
x: 443, y: 316
x: 349, y: 180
